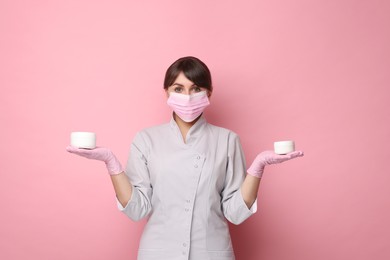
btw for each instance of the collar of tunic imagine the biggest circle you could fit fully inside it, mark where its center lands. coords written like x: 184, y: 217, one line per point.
x: 194, y: 131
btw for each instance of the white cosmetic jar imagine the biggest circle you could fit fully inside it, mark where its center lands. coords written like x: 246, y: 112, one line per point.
x: 86, y: 140
x: 284, y: 147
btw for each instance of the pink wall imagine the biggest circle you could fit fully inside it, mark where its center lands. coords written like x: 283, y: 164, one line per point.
x: 313, y: 71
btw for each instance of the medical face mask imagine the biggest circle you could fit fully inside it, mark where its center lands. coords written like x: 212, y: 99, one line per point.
x: 188, y: 107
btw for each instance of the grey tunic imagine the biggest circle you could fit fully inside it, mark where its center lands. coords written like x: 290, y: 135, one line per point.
x: 188, y: 190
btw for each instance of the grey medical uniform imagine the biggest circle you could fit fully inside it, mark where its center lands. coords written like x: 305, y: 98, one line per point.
x: 188, y: 190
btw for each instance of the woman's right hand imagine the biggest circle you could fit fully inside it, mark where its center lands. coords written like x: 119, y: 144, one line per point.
x: 113, y: 165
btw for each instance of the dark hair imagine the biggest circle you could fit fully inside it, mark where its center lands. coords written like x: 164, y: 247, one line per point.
x: 193, y: 68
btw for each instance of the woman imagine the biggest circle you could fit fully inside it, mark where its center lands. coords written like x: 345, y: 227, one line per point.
x: 187, y: 176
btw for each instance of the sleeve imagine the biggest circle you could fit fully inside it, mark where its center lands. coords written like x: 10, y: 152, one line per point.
x: 139, y: 205
x: 233, y: 205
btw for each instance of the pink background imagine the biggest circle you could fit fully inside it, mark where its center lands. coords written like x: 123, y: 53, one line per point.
x: 313, y: 71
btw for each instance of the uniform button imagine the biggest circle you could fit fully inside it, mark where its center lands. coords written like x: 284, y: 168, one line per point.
x: 198, y: 157
x: 196, y: 166
x: 188, y: 201
x: 183, y: 253
x: 184, y: 244
x: 186, y: 210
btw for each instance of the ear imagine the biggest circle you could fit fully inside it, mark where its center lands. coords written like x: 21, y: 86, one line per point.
x: 209, y: 94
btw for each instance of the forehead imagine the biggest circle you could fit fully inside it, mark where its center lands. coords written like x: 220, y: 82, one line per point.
x: 183, y: 80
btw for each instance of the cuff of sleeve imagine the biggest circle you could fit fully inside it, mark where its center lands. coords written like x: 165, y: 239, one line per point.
x: 248, y: 211
x: 253, y: 208
x: 120, y: 207
x: 237, y: 211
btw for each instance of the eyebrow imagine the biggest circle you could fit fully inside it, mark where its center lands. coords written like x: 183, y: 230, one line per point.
x: 181, y: 85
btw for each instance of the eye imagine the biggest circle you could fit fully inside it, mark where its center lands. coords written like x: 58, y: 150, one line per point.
x: 178, y: 89
x: 197, y: 89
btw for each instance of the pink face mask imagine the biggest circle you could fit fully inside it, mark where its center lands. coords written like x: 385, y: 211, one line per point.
x: 188, y: 107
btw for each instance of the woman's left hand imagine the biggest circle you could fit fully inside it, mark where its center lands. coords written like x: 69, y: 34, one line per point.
x: 267, y: 158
